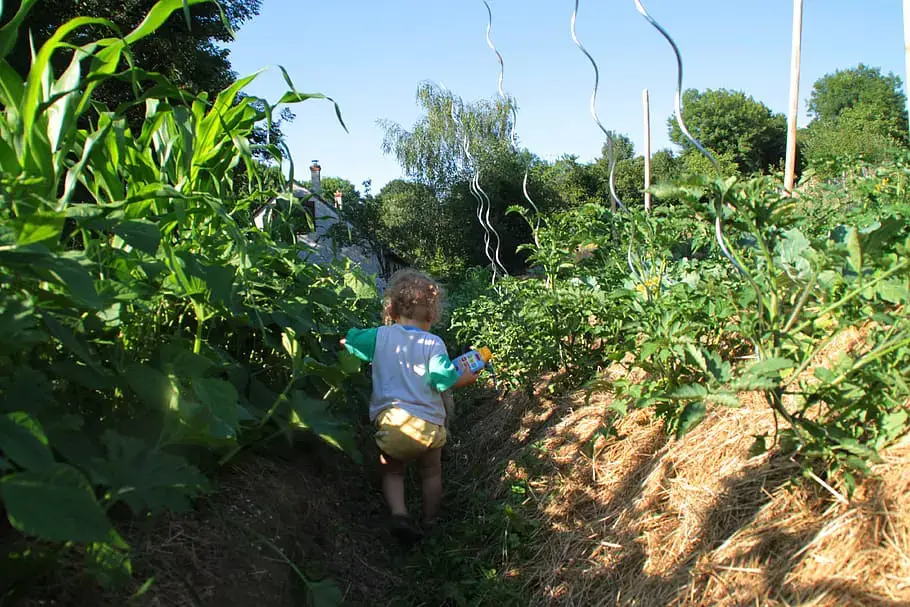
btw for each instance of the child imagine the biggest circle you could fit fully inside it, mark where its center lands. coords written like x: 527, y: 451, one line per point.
x: 411, y: 370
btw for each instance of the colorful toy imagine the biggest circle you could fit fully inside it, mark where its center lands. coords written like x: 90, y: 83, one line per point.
x: 474, y: 361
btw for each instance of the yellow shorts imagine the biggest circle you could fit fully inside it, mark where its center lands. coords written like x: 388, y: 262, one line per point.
x: 403, y: 436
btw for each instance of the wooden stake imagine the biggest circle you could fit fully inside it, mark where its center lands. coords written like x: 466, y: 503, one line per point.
x: 790, y: 168
x: 907, y: 50
x: 647, y: 110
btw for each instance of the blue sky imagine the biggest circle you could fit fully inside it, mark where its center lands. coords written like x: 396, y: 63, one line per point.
x: 370, y: 55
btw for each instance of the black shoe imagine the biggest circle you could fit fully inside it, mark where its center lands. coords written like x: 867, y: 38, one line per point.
x: 404, y: 531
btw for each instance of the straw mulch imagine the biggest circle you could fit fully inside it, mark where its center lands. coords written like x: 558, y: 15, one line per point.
x: 638, y: 519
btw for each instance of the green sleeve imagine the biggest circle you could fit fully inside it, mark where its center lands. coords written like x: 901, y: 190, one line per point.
x: 361, y: 343
x: 442, y: 373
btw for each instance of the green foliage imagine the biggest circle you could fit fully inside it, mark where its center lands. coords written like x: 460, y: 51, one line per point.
x: 411, y: 218
x: 834, y: 94
x: 732, y: 123
x: 433, y: 151
x: 629, y: 175
x: 858, y: 114
x: 694, y: 162
x: 148, y: 330
x: 656, y: 292
x: 623, y: 148
x: 533, y: 325
x: 433, y: 220
x: 572, y: 183
x: 350, y: 195
x: 189, y: 54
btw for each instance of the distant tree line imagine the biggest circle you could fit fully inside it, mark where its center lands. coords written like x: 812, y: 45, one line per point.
x: 430, y: 217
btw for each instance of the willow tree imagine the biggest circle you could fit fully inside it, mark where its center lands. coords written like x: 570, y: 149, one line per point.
x: 433, y: 151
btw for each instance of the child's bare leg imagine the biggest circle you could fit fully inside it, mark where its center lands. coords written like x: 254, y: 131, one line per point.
x: 431, y: 483
x: 393, y: 484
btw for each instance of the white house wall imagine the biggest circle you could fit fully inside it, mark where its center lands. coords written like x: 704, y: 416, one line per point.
x: 323, y: 246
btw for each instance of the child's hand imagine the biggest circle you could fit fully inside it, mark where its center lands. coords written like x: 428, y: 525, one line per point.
x: 343, y: 342
x: 467, y: 378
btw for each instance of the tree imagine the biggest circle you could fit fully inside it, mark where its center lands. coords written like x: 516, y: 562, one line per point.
x: 412, y: 220
x: 569, y: 183
x: 856, y: 113
x: 192, y: 58
x: 862, y: 86
x: 664, y: 166
x: 432, y: 154
x: 623, y: 148
x: 350, y: 195
x: 857, y: 133
x: 729, y: 123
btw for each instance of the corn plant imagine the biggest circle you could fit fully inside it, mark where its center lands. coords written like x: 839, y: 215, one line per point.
x: 148, y: 330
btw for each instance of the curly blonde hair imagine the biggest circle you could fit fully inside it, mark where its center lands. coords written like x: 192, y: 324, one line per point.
x: 414, y: 295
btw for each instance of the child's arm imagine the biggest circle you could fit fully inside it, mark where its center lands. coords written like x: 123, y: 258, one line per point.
x: 361, y: 343
x: 445, y: 375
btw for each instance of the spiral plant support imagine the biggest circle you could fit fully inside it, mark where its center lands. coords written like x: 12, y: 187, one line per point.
x: 677, y: 110
x: 476, y: 192
x: 514, y: 113
x: 611, y: 152
x: 719, y: 205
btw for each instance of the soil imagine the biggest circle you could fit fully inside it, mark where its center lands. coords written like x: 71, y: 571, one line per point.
x: 624, y: 516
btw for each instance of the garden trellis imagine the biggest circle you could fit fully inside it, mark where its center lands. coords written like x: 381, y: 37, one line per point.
x: 636, y: 266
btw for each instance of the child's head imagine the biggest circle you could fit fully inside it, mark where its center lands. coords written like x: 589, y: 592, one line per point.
x: 412, y: 294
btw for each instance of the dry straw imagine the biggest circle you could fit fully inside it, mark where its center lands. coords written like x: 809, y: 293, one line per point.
x: 638, y: 519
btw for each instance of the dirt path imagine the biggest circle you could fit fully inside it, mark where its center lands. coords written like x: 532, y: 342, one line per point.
x: 542, y: 508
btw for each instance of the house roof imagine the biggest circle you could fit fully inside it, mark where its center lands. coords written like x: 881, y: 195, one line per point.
x: 302, y: 192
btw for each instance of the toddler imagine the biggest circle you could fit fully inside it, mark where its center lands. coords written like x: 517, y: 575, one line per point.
x: 411, y: 371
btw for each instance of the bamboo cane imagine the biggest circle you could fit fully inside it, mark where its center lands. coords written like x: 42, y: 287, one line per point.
x: 790, y: 168
x: 647, y: 152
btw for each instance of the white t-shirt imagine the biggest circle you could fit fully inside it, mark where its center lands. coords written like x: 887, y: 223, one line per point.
x: 411, y: 368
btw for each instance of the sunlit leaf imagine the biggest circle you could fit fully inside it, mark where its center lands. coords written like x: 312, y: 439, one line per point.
x: 758, y: 446
x: 153, y: 387
x: 181, y: 361
x: 690, y: 391
x: 109, y: 564
x: 313, y: 414
x: 348, y: 362
x: 140, y: 234
x: 691, y: 416
x: 39, y: 226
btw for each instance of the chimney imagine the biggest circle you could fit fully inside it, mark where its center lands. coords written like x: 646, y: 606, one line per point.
x: 338, y: 196
x: 315, y: 181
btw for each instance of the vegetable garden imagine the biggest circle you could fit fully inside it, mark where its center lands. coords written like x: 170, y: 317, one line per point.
x: 150, y: 333
x: 670, y: 304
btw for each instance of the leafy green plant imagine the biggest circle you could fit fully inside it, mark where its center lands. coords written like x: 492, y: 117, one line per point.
x: 707, y: 319
x: 148, y: 330
x: 799, y: 296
